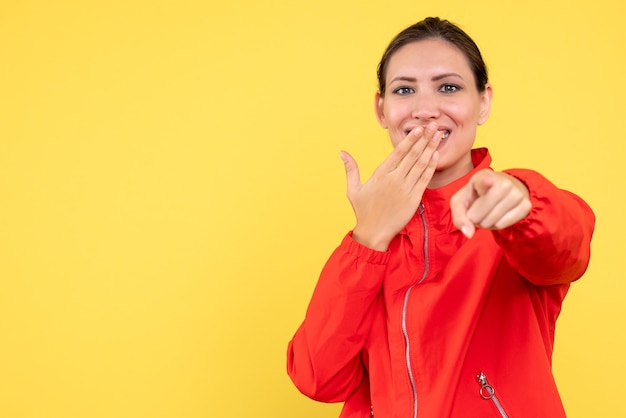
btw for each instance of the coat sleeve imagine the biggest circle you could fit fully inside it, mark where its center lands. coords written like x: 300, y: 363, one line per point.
x: 323, y: 358
x: 552, y: 244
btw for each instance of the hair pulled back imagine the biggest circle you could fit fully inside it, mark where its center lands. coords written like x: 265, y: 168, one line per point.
x: 435, y: 28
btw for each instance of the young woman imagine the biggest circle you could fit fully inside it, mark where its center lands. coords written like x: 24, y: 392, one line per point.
x: 442, y: 301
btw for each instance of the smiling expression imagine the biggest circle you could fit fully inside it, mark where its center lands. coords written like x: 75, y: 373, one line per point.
x: 431, y: 81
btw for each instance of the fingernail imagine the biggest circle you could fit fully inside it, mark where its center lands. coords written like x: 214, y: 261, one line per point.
x: 467, y: 231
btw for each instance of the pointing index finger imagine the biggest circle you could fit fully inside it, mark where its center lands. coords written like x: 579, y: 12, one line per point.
x: 459, y: 206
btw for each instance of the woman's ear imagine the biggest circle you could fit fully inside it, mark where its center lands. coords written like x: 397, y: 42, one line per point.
x: 485, y: 104
x: 378, y: 109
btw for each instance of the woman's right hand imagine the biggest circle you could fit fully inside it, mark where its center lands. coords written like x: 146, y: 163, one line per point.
x: 388, y: 200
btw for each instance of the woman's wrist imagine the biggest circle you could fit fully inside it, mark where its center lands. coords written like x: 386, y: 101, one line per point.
x: 370, y: 240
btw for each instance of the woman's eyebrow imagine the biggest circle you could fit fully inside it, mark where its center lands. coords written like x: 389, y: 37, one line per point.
x: 445, y: 75
x: 403, y: 78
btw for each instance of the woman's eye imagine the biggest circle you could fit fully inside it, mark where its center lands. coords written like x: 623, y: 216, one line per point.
x: 403, y: 90
x: 449, y: 88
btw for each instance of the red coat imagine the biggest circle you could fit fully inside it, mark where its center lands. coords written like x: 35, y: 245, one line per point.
x: 426, y: 328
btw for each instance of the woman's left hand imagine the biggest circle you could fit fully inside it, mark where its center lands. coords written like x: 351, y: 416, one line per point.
x: 490, y: 200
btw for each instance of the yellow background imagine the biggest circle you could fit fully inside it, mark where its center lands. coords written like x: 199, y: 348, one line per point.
x: 170, y: 187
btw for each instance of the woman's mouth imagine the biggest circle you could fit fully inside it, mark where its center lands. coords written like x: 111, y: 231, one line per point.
x: 445, y: 133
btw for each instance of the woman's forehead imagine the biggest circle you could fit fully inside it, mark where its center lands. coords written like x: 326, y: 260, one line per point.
x: 432, y: 55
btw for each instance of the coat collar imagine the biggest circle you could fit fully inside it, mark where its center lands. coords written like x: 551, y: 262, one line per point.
x: 480, y: 159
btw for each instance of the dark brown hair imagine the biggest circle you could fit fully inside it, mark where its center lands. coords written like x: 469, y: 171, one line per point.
x: 433, y: 27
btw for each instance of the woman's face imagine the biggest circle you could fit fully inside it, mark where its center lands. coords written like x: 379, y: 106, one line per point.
x: 431, y: 81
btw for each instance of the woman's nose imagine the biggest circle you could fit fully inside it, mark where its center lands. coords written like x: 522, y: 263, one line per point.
x: 425, y: 108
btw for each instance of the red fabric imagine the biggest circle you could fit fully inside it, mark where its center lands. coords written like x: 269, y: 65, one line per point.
x: 488, y: 304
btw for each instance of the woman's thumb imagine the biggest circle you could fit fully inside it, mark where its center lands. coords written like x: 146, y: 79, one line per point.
x: 352, y: 171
